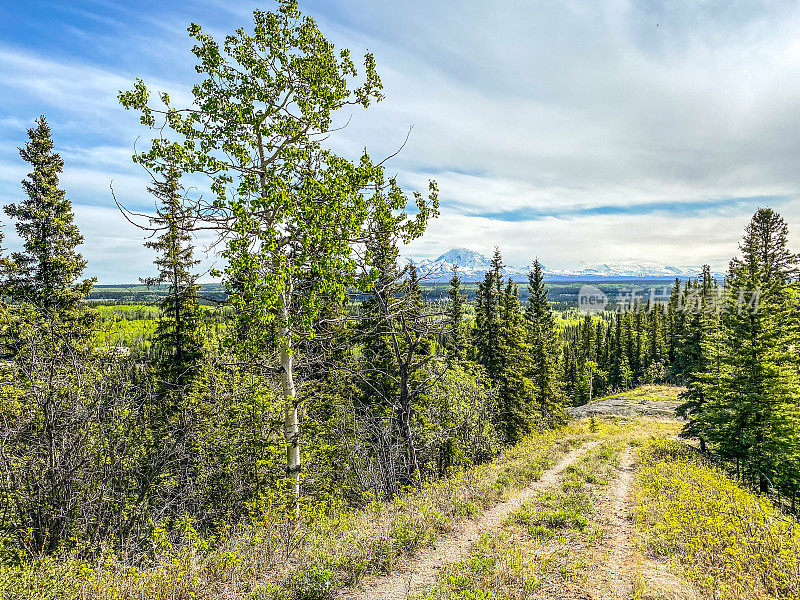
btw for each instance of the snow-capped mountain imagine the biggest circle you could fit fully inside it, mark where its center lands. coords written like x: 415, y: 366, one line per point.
x: 627, y: 268
x: 465, y: 258
x: 473, y: 265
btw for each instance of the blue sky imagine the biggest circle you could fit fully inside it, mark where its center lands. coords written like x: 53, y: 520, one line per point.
x: 571, y: 131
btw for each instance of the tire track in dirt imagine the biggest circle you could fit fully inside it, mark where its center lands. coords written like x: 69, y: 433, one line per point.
x: 624, y: 568
x: 621, y: 551
x: 419, y: 572
x: 611, y: 575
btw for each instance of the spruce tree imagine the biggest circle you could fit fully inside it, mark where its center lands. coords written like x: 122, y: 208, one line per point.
x: 694, y: 354
x: 636, y: 349
x: 587, y: 338
x: 589, y: 365
x: 751, y: 412
x: 57, y: 410
x: 377, y: 321
x: 674, y: 320
x: 396, y: 333
x: 178, y: 337
x: 599, y: 351
x: 630, y: 343
x: 46, y: 273
x: 495, y: 269
x: 455, y: 318
x: 519, y: 410
x: 571, y: 377
x: 178, y: 343
x: 488, y: 320
x: 765, y: 254
x: 655, y: 352
x: 620, y: 372
x: 543, y: 341
x: 377, y: 380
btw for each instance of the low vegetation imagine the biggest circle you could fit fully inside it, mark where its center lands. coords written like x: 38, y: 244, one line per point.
x: 329, y: 547
x: 649, y: 393
x: 732, y: 543
x: 548, y: 546
x: 540, y: 547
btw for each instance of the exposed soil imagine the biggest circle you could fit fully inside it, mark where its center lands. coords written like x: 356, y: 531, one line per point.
x: 622, y: 568
x: 419, y: 572
x: 620, y: 559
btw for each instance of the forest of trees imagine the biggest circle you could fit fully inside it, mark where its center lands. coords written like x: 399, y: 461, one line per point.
x: 330, y: 378
x: 638, y: 341
x: 734, y: 344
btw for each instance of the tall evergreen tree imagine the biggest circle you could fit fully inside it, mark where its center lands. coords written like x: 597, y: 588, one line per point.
x: 56, y: 411
x: 519, y: 410
x: 488, y: 319
x: 694, y: 353
x: 46, y: 273
x: 752, y: 407
x: 178, y: 342
x: 656, y: 346
x: 455, y: 317
x: 543, y: 341
x: 674, y: 319
x: 178, y: 335
x: 396, y: 333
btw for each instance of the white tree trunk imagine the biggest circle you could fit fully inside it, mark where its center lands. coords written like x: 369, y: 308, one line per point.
x: 291, y: 422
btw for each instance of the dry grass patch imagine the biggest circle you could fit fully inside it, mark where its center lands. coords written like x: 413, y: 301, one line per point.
x: 651, y: 393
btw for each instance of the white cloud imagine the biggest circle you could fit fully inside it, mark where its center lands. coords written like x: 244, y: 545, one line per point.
x: 554, y: 109
x: 114, y: 248
x: 563, y: 243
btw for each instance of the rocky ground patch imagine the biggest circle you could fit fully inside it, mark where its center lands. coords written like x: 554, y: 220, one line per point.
x: 650, y: 401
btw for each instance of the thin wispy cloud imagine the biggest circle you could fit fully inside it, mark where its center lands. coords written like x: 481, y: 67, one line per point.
x: 569, y: 131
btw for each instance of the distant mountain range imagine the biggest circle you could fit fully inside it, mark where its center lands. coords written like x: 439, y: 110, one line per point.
x: 473, y: 265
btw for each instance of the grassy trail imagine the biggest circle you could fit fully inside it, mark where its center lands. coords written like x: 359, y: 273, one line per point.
x: 575, y: 540
x: 638, y: 516
x: 420, y: 573
x: 624, y: 572
x: 621, y: 539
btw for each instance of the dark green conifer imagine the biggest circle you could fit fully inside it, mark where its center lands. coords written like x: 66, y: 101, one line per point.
x: 694, y: 354
x: 488, y: 320
x: 455, y: 317
x: 751, y: 412
x: 46, y: 273
x: 519, y: 411
x: 543, y: 341
x: 179, y: 331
